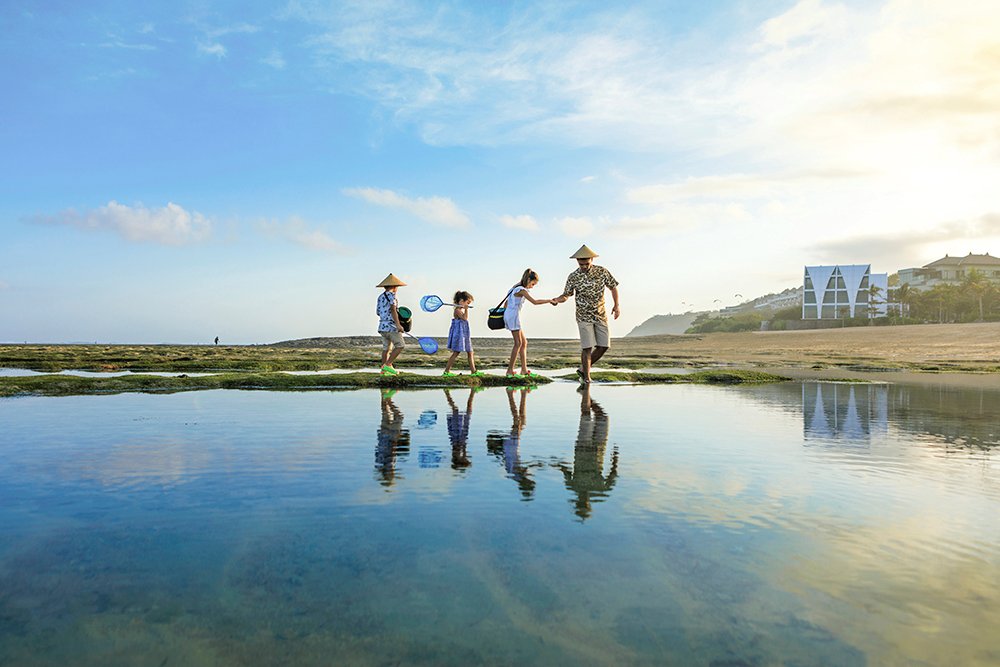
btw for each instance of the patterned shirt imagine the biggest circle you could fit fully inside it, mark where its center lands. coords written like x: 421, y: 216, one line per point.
x: 383, y: 308
x: 587, y: 287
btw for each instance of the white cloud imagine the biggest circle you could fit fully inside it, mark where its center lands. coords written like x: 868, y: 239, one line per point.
x: 525, y: 222
x: 212, y: 49
x: 956, y: 237
x: 116, y: 43
x: 275, y: 60
x: 238, y: 28
x: 821, y: 83
x: 297, y: 231
x: 736, y: 186
x: 588, y: 179
x: 576, y: 227
x: 439, y: 211
x: 170, y: 225
x: 682, y: 216
x: 807, y: 19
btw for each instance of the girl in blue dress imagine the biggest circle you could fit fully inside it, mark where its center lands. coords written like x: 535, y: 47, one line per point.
x: 459, y: 338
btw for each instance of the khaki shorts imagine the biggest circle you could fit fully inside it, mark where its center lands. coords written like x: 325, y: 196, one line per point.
x: 392, y: 339
x: 593, y: 334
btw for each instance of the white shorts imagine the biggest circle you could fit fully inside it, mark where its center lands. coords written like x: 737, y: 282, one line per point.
x: 593, y: 334
x: 512, y: 319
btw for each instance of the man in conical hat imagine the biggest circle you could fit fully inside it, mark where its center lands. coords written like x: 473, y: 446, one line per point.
x: 586, y: 285
x: 389, y: 326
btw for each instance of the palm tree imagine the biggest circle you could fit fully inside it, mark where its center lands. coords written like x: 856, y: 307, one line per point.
x: 903, y: 295
x: 874, y: 299
x: 976, y: 284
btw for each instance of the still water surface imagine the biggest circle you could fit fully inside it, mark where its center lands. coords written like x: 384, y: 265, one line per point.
x: 806, y: 524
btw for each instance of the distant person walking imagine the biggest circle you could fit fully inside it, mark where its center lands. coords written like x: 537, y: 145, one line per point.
x: 516, y: 297
x: 586, y: 285
x: 389, y: 326
x: 216, y: 340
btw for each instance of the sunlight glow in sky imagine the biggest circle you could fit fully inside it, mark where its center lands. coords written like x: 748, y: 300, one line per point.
x: 185, y: 170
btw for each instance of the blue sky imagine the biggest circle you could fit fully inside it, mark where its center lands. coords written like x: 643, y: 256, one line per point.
x: 247, y: 170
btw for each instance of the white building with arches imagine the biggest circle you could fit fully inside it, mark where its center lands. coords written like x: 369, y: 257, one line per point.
x: 835, y: 292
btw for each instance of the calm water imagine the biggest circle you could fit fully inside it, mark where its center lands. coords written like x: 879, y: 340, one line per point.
x: 798, y: 524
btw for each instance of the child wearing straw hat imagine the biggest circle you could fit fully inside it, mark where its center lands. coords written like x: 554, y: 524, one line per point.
x: 389, y: 326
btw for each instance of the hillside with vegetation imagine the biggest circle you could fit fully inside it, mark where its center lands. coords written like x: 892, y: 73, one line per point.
x: 975, y: 299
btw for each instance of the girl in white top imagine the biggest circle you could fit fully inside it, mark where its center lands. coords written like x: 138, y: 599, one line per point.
x: 512, y: 320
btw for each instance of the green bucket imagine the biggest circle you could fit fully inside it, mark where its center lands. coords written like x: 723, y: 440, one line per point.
x: 405, y: 318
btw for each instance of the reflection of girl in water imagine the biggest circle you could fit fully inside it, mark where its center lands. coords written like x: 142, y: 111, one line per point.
x: 392, y: 440
x: 505, y: 446
x: 458, y: 430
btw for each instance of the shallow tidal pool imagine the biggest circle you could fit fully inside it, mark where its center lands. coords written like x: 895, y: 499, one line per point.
x: 799, y: 524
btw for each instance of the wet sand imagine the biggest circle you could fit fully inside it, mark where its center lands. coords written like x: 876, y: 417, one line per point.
x: 956, y: 380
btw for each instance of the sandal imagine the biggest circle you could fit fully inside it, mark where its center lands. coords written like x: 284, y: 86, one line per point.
x: 446, y: 374
x: 477, y: 374
x: 389, y: 370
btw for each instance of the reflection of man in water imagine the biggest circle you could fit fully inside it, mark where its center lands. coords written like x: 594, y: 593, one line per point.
x: 586, y: 478
x: 458, y: 430
x: 505, y: 446
x: 393, y: 440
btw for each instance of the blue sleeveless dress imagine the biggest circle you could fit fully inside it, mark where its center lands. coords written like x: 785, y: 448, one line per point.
x: 459, y: 337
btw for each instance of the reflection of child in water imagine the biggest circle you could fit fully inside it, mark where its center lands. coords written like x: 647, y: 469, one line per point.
x: 505, y: 446
x: 586, y: 478
x: 392, y: 440
x: 458, y: 431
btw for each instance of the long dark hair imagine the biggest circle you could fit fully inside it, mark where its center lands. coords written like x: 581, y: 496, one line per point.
x: 528, y: 276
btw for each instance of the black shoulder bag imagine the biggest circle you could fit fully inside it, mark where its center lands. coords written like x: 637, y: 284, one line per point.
x: 495, y: 319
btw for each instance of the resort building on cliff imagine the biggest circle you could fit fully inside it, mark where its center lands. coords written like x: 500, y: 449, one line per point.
x: 835, y: 292
x: 950, y: 271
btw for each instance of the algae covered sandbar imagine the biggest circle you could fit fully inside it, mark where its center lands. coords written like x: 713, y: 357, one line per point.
x: 67, y: 385
x: 925, y: 349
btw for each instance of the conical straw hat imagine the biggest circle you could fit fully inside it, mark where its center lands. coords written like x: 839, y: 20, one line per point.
x: 391, y: 281
x: 584, y: 253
